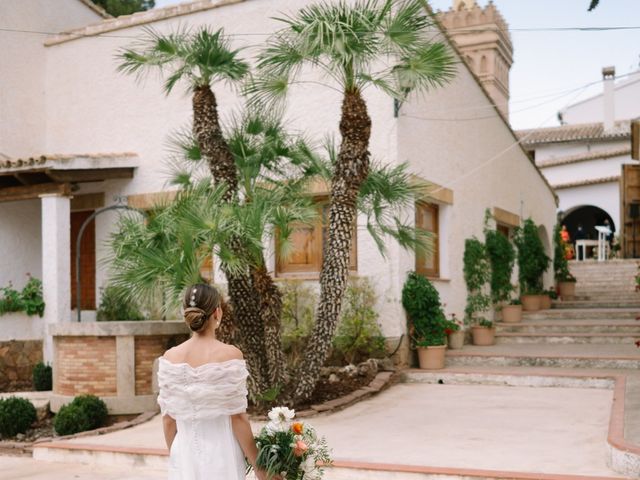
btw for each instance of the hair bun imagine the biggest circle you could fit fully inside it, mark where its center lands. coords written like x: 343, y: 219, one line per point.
x: 195, y: 317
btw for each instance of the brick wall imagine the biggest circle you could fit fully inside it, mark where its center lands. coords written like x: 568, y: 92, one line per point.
x: 17, y: 359
x: 147, y: 349
x: 85, y: 365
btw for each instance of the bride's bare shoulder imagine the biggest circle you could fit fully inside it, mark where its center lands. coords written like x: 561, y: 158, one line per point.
x: 231, y: 352
x: 175, y: 354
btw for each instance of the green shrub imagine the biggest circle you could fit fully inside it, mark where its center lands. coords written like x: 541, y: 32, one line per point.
x: 95, y: 409
x: 358, y: 336
x: 85, y: 412
x: 16, y: 416
x: 297, y: 319
x: 114, y: 306
x: 71, y: 419
x: 532, y: 259
x: 30, y: 300
x: 501, y: 255
x: 42, y: 377
x: 560, y: 263
x: 421, y: 301
x: 477, y: 273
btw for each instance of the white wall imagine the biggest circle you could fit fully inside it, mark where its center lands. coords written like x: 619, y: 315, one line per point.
x: 20, y: 242
x: 626, y: 103
x: 576, y: 172
x: 479, y: 161
x: 605, y: 196
x: 22, y: 67
x: 559, y: 150
x: 92, y: 108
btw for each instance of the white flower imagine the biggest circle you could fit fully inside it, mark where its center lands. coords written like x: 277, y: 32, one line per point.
x: 309, y: 468
x: 280, y: 418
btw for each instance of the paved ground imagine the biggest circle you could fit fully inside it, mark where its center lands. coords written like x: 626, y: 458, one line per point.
x: 552, y: 430
x: 25, y: 468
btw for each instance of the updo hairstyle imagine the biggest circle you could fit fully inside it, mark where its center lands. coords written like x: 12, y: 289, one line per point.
x: 199, y: 303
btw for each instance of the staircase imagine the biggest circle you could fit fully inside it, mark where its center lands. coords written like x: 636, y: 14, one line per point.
x: 604, y: 284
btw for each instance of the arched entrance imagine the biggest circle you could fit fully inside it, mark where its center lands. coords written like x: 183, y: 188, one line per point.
x: 588, y: 216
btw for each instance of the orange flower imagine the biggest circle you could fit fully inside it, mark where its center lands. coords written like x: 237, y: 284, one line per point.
x: 299, y: 448
x: 297, y: 428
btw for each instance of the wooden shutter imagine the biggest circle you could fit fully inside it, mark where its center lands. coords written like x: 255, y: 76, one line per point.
x: 308, y: 240
x: 427, y: 219
x: 87, y: 260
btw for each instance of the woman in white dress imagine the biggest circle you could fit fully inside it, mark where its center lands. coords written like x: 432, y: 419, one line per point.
x: 203, y: 398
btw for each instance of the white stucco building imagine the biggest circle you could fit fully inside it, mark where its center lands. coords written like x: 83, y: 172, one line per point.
x: 583, y: 158
x: 84, y: 136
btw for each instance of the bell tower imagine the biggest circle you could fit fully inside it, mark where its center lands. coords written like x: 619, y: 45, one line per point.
x: 482, y: 36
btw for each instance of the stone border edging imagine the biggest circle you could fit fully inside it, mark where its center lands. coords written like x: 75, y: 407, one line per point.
x: 28, y: 446
x: 380, y: 382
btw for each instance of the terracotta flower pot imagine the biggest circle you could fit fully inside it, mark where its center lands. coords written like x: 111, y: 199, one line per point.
x: 431, y: 358
x: 530, y: 303
x: 456, y: 340
x: 545, y: 302
x: 483, y: 336
x: 512, y: 313
x: 567, y: 290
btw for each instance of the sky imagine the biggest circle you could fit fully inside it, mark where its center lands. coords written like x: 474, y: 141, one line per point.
x: 552, y: 68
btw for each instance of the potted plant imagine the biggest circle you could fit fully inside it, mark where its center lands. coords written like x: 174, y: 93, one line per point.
x: 501, y: 255
x: 566, y: 282
x: 455, y: 333
x: 428, y: 324
x: 512, y: 313
x: 476, y: 275
x: 532, y: 263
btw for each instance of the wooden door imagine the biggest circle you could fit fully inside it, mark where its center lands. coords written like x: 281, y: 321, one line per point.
x: 630, y: 205
x: 87, y: 260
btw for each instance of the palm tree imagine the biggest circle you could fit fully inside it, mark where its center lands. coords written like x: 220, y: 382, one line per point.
x: 203, y: 58
x: 366, y: 43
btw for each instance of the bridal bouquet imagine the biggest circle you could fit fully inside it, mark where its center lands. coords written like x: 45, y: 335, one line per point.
x: 290, y: 449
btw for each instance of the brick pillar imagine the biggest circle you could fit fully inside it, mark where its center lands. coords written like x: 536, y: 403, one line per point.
x: 56, y: 266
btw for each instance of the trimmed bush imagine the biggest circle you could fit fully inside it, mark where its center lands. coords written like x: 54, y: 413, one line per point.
x: 95, y: 409
x: 16, y: 416
x: 42, y: 377
x: 71, y: 419
x: 85, y: 412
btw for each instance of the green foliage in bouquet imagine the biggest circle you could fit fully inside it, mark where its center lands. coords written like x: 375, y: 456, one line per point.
x: 290, y: 449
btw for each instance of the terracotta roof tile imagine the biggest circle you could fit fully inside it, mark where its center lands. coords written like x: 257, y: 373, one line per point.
x: 139, y: 18
x: 7, y: 163
x: 584, y: 157
x: 582, y: 183
x: 574, y: 133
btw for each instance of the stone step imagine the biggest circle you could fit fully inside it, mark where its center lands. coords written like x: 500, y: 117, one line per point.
x: 596, y: 304
x: 511, y: 338
x: 628, y: 327
x: 583, y: 314
x: 579, y: 356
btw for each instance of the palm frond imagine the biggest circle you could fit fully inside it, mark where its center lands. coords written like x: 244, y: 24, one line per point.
x: 201, y: 57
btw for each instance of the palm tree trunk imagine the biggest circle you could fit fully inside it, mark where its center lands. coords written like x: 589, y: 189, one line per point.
x: 245, y: 304
x: 270, y: 311
x: 352, y: 168
x: 213, y: 146
x: 245, y: 301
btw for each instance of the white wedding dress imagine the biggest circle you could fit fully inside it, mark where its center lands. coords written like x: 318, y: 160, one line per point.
x: 201, y: 400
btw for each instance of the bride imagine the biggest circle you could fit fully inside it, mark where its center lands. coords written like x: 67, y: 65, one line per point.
x: 203, y: 398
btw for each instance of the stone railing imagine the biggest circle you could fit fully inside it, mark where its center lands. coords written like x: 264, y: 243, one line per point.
x: 112, y: 360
